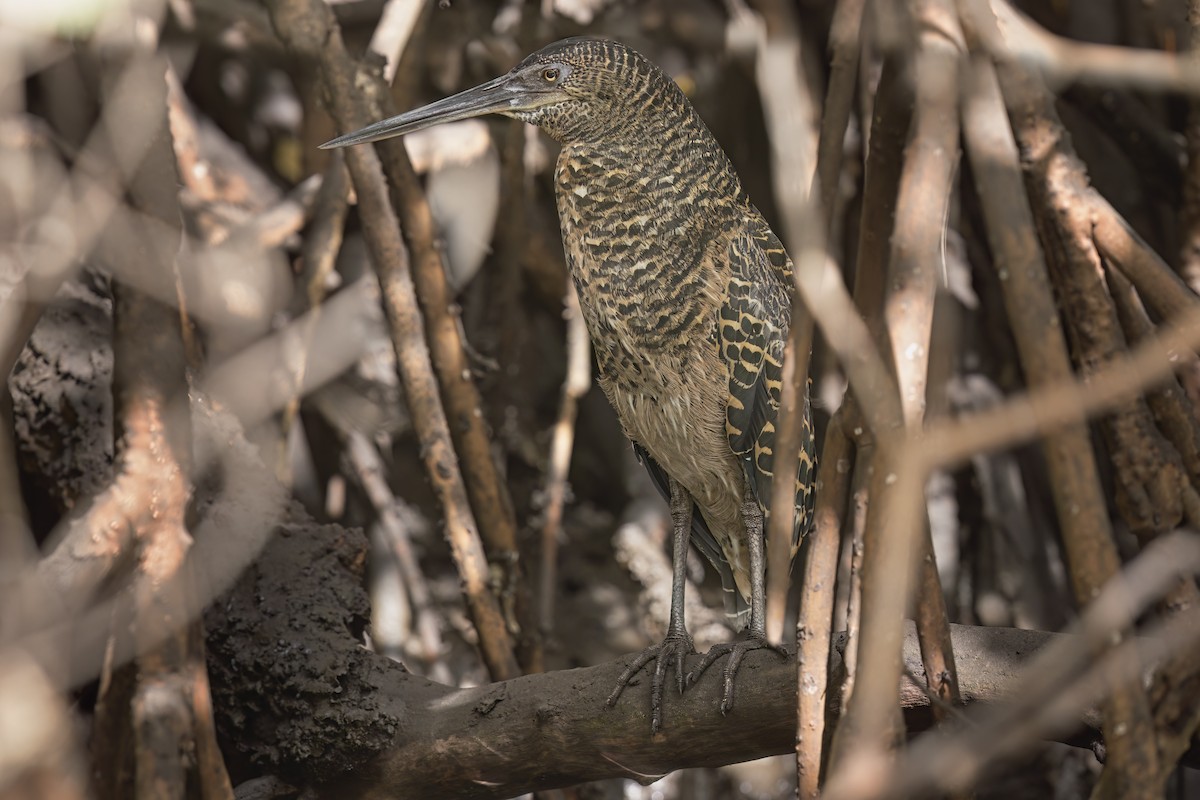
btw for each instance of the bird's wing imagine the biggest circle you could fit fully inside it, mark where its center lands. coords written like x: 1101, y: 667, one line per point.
x: 736, y: 607
x: 753, y: 331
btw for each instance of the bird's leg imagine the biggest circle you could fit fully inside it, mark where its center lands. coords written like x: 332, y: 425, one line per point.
x: 756, y: 636
x: 678, y: 643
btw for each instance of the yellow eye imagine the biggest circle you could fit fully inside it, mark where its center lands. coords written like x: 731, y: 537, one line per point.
x: 550, y: 74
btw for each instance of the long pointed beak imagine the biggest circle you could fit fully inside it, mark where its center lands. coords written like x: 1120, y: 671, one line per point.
x: 488, y: 98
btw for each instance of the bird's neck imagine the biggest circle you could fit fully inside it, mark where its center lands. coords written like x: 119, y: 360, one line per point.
x: 647, y: 181
x: 640, y: 219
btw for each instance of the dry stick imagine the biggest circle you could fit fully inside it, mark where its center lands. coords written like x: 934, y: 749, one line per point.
x: 845, y: 49
x: 464, y: 407
x: 321, y: 245
x: 831, y: 307
x: 814, y: 624
x: 371, y: 475
x: 787, y: 107
x: 888, y: 134
x: 1075, y: 484
x: 926, y: 184
x: 575, y: 386
x: 871, y: 725
x: 871, y: 722
x: 1064, y: 61
x: 307, y: 27
x: 859, y: 502
x: 391, y: 35
x: 155, y: 444
x: 814, y: 617
x: 274, y: 225
x: 342, y: 327
x: 1044, y: 410
x: 210, y: 764
x: 885, y: 161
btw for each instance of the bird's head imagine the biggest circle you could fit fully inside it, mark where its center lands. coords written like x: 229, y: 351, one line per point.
x: 577, y: 89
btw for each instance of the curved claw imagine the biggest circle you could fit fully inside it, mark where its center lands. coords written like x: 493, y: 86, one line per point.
x: 736, y: 652
x: 672, y: 650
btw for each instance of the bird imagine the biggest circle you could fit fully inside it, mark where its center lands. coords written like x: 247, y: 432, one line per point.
x: 686, y: 293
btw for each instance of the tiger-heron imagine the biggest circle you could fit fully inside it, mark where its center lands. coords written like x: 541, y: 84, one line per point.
x: 686, y: 294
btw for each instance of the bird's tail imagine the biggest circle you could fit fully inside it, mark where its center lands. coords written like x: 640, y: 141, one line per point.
x: 737, y: 610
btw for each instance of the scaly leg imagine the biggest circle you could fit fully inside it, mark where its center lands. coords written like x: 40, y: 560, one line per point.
x: 756, y: 636
x: 677, y: 645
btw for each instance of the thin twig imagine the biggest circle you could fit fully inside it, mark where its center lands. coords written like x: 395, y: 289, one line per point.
x: 321, y: 246
x: 371, y: 471
x: 575, y: 386
x: 860, y: 480
x: 888, y: 134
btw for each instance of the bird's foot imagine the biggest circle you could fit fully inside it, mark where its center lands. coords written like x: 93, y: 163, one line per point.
x: 672, y: 650
x: 736, y: 652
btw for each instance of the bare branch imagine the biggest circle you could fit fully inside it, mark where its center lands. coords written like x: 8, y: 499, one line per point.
x: 307, y: 27
x: 814, y: 625
x: 575, y: 386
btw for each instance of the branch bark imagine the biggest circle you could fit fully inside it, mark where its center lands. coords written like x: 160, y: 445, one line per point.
x: 536, y: 731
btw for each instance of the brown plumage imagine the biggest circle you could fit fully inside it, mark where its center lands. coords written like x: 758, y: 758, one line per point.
x: 686, y: 295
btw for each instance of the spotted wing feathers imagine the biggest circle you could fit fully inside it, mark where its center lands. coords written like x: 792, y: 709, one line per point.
x: 753, y: 331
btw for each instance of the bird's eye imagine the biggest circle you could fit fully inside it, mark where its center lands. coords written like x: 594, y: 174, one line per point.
x: 550, y: 74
